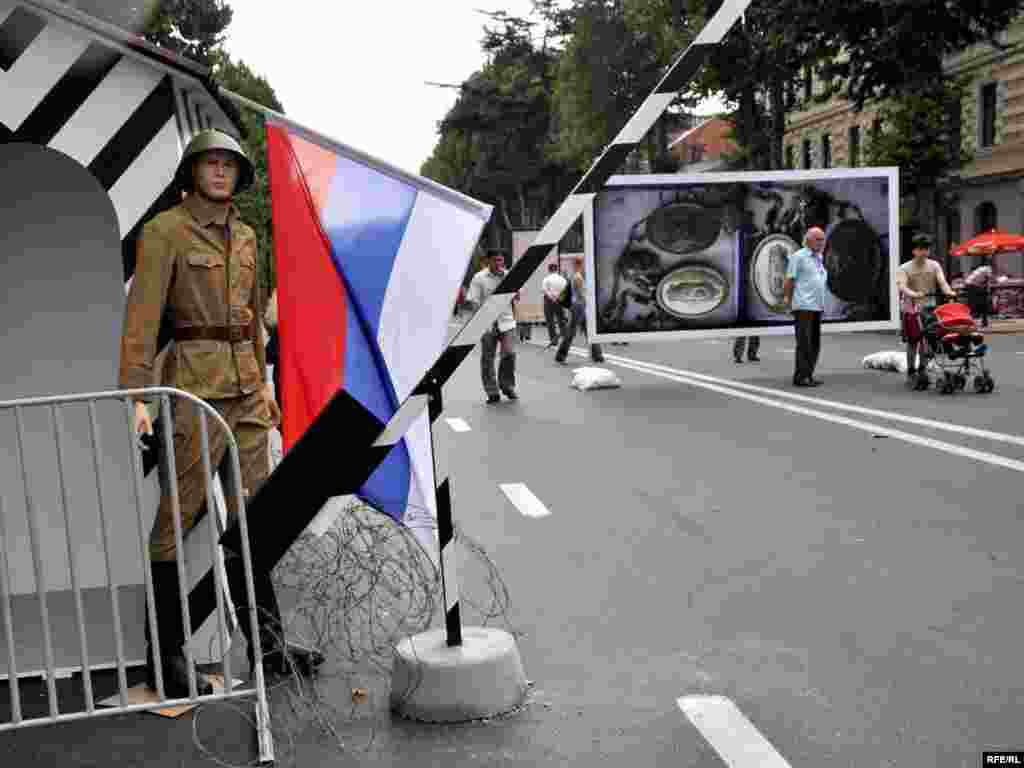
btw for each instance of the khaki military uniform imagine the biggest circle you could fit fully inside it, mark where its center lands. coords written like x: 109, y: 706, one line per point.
x: 203, y: 270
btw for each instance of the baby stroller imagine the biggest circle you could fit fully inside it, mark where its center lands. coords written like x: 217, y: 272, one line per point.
x: 951, y: 346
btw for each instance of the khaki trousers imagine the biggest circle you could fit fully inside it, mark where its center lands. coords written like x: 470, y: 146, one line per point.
x: 250, y: 420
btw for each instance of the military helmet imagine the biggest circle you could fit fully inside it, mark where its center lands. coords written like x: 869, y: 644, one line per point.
x: 204, y: 141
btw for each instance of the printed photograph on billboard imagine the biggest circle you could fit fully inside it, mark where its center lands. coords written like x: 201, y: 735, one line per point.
x: 706, y: 255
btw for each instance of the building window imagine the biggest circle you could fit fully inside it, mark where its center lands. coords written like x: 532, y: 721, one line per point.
x: 987, y: 115
x: 790, y: 156
x: 854, y: 140
x: 986, y: 217
x: 807, y: 153
x: 826, y: 151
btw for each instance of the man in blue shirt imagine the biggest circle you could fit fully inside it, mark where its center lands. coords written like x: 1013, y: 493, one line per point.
x: 805, y: 296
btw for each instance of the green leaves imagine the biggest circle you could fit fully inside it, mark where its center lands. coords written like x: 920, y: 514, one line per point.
x: 254, y: 204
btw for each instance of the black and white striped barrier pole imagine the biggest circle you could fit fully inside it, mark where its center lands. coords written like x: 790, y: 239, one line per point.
x: 297, y: 473
x: 445, y: 525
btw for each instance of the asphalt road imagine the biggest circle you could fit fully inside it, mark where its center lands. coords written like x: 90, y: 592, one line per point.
x: 849, y: 581
x: 857, y: 597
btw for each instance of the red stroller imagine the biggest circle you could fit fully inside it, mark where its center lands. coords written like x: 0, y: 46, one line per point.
x: 950, y: 342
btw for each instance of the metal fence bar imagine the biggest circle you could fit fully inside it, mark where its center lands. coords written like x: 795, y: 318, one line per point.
x: 115, y: 607
x: 179, y: 554
x: 111, y: 711
x: 211, y: 513
x: 147, y: 576
x: 75, y: 585
x: 37, y: 564
x: 264, y: 736
x: 5, y: 593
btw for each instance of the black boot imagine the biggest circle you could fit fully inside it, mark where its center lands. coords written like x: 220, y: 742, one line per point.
x: 279, y: 656
x: 171, y: 632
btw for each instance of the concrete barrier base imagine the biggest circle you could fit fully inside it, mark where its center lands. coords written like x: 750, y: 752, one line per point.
x: 481, y: 678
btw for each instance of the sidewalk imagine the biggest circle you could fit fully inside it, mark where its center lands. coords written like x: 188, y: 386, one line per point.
x: 1006, y: 326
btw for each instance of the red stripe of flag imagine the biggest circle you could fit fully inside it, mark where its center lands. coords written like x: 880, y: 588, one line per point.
x: 311, y: 296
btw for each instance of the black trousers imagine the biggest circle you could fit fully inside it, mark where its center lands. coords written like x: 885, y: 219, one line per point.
x: 807, y: 326
x: 554, y: 316
x: 741, y: 343
x: 979, y: 303
x: 577, y: 321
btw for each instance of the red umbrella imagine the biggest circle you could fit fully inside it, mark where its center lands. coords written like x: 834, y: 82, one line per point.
x: 989, y: 243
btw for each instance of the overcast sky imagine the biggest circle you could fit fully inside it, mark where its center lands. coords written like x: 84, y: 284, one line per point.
x: 355, y: 71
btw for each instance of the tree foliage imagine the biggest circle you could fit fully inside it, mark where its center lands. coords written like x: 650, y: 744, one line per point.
x: 254, y: 205
x: 496, y: 140
x: 896, y: 47
x: 191, y: 28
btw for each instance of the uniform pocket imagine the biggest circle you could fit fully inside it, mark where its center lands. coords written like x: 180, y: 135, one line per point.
x: 246, y: 276
x: 205, y: 259
x: 250, y: 377
x: 202, y: 367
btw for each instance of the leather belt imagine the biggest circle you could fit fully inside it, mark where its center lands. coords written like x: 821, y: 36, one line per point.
x: 233, y: 333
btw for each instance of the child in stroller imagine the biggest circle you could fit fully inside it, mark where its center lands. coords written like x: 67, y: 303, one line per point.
x: 948, y: 343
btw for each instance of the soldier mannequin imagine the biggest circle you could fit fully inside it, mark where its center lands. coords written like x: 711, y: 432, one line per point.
x: 197, y: 263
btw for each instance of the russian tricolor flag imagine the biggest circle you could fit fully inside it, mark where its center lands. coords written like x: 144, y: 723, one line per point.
x: 369, y: 261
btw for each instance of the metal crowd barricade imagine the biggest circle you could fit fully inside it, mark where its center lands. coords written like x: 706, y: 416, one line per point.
x: 204, y: 411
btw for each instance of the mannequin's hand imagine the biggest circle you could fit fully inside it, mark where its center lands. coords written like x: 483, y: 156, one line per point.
x: 143, y: 424
x: 275, y: 411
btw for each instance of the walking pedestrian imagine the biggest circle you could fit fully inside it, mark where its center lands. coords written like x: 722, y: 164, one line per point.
x: 979, y: 293
x: 578, y: 319
x: 751, y: 344
x: 553, y: 285
x: 804, y: 291
x: 197, y: 263
x: 918, y: 281
x: 501, y: 335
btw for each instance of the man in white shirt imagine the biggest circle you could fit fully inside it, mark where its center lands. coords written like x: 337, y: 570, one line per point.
x: 979, y: 293
x: 502, y: 333
x: 554, y: 313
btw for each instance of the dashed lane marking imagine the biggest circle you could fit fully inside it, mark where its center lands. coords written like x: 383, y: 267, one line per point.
x: 733, y: 736
x: 523, y: 499
x: 458, y: 425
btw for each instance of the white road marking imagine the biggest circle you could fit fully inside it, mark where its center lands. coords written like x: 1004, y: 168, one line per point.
x: 733, y: 736
x: 697, y: 380
x: 522, y: 498
x: 984, y: 434
x: 458, y: 425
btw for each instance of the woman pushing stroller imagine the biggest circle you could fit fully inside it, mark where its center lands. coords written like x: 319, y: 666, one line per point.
x: 918, y: 282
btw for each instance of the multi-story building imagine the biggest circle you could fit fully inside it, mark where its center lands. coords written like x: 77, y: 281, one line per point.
x: 984, y: 194
x: 703, y: 147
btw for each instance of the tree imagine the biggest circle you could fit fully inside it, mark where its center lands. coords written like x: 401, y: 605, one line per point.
x: 919, y: 133
x: 496, y: 140
x: 897, y: 47
x: 191, y: 28
x: 615, y: 55
x: 758, y: 66
x: 254, y: 205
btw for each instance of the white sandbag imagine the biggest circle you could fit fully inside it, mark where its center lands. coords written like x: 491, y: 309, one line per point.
x: 584, y: 379
x: 888, y: 360
x: 895, y: 360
